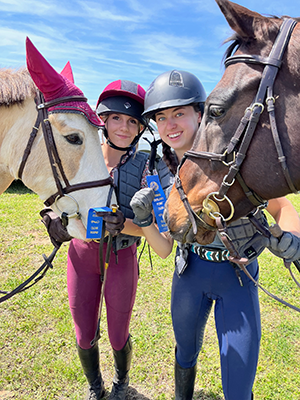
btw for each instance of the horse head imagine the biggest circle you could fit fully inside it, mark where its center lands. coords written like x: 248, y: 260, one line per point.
x: 238, y: 161
x: 66, y: 169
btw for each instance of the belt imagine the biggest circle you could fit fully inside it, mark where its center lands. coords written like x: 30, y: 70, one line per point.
x: 213, y: 254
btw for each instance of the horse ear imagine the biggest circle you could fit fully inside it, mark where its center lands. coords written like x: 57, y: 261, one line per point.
x: 44, y: 76
x: 67, y: 72
x: 240, y: 19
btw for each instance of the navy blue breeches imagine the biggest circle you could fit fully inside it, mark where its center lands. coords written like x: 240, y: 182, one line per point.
x: 237, y: 319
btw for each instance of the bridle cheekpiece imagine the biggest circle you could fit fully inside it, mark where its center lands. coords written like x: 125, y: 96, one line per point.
x: 61, y: 181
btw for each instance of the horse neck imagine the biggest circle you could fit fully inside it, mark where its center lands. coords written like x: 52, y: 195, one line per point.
x: 16, y: 124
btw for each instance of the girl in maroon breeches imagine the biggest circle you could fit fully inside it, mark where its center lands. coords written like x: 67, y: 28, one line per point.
x: 120, y: 107
x: 84, y: 289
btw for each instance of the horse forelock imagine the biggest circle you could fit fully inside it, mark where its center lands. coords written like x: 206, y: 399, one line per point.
x: 236, y: 41
x: 16, y: 85
x: 262, y: 27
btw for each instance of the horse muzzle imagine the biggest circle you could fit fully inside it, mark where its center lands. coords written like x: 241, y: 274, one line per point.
x: 185, y: 232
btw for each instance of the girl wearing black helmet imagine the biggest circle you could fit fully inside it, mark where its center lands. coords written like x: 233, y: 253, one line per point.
x: 170, y: 92
x: 203, y: 275
x: 120, y: 106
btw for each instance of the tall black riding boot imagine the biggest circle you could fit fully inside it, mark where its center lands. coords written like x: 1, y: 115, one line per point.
x: 184, y: 382
x: 122, y: 366
x: 91, y: 367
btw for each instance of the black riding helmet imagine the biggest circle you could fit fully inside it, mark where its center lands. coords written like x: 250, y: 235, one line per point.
x: 124, y: 97
x: 172, y: 89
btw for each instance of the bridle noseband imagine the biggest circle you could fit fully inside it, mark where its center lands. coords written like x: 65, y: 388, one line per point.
x: 244, y: 133
x: 63, y: 189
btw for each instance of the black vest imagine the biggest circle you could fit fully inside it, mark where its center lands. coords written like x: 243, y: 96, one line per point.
x: 127, y: 178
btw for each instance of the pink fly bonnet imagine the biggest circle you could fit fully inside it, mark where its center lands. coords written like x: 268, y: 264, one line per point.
x: 54, y: 85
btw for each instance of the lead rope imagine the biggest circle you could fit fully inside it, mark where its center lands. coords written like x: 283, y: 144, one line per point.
x: 241, y: 262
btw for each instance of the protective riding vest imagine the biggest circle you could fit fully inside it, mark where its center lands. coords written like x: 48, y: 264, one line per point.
x: 247, y: 240
x: 166, y: 177
x: 127, y: 178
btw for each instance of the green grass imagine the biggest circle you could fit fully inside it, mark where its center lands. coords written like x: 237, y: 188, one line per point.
x: 38, y: 358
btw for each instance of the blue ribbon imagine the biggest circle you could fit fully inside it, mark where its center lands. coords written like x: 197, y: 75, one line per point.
x: 159, y: 201
x: 94, y: 223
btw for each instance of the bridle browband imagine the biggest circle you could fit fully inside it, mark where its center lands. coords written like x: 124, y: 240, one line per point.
x: 64, y: 188
x: 244, y: 133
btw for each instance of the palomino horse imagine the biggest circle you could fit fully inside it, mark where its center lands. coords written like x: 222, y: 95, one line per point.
x: 65, y: 156
x: 243, y: 155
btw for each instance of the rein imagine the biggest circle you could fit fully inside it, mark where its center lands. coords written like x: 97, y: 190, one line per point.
x: 246, y: 129
x: 195, y: 218
x: 63, y: 189
x: 26, y: 284
x: 242, y: 262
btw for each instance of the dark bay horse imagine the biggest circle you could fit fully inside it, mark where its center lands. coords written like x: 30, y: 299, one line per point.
x: 243, y: 153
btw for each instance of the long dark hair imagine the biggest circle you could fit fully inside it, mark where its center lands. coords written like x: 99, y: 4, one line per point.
x: 169, y: 156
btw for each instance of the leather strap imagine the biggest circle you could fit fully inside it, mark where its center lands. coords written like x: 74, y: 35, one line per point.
x: 27, y: 150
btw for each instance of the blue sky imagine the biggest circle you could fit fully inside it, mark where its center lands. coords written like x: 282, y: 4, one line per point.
x: 127, y: 39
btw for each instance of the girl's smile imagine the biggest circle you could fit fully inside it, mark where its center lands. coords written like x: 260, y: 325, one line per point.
x: 177, y: 127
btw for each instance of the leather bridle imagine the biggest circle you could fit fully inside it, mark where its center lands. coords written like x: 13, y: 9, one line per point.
x: 245, y: 131
x: 62, y: 183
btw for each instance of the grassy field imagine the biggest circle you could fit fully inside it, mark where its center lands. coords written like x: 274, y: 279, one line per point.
x: 38, y: 359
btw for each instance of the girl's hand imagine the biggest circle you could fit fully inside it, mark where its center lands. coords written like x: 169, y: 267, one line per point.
x: 114, y: 221
x: 141, y: 204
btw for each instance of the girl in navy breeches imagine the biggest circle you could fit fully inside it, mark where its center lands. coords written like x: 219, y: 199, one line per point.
x: 175, y: 101
x: 84, y: 289
x: 237, y: 319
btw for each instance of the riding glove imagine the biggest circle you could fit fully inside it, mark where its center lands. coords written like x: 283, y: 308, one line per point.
x: 141, y: 204
x: 287, y: 246
x: 56, y: 231
x: 114, y: 221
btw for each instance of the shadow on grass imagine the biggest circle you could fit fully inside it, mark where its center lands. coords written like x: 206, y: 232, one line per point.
x: 18, y: 187
x: 132, y: 394
x: 204, y: 395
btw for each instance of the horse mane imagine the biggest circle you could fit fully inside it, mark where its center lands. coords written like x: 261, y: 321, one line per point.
x: 237, y: 41
x: 15, y: 86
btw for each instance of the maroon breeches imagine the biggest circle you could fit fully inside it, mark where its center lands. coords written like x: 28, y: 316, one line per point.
x: 84, y: 290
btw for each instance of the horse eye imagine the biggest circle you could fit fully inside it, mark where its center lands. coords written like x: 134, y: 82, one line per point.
x: 74, y: 138
x: 216, y: 111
